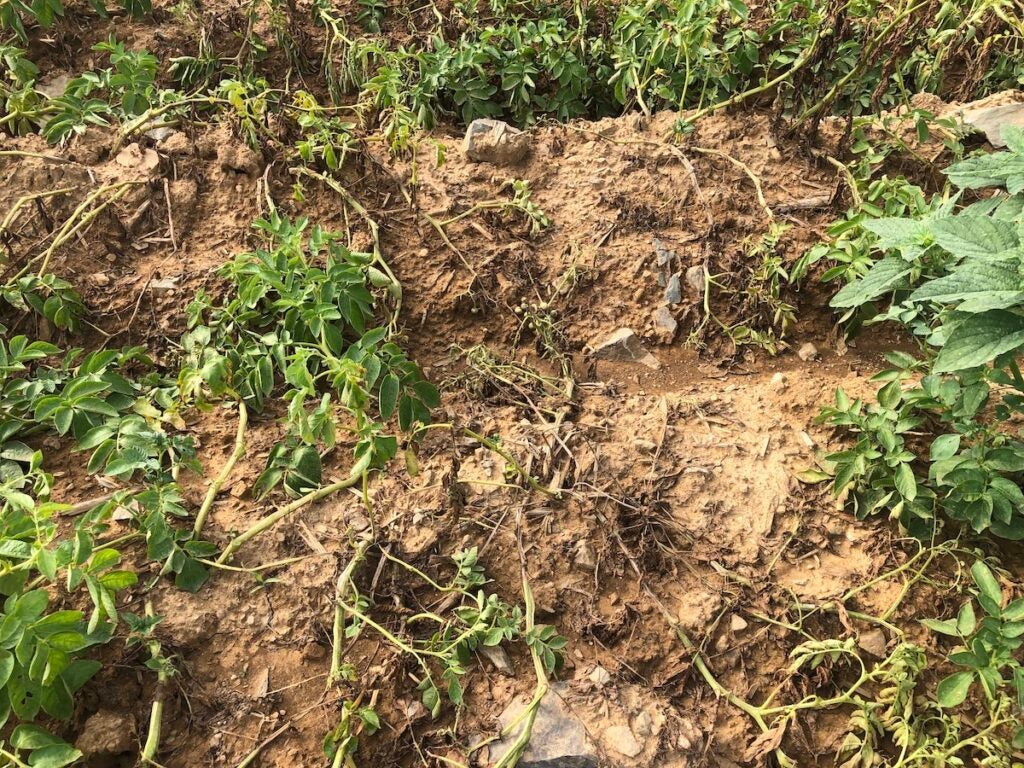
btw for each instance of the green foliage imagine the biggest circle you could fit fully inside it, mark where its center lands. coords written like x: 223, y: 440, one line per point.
x: 951, y: 276
x: 527, y: 60
x: 16, y: 14
x: 299, y: 326
x: 48, y: 296
x: 326, y: 141
x: 986, y: 650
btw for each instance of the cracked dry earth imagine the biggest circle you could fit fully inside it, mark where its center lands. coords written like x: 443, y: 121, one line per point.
x: 678, y: 504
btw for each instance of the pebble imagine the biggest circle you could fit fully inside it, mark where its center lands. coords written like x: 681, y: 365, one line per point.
x: 643, y: 725
x: 600, y: 676
x: 585, y: 556
x: 807, y: 352
x: 498, y: 657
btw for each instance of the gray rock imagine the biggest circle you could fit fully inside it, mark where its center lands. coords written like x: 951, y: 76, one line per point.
x: 585, y: 557
x: 558, y: 738
x: 874, y: 642
x: 622, y: 740
x: 990, y: 120
x: 665, y: 324
x: 673, y: 290
x: 498, y: 657
x: 807, y: 352
x: 623, y: 346
x: 643, y: 725
x: 495, y: 142
x: 663, y: 252
x: 695, y: 279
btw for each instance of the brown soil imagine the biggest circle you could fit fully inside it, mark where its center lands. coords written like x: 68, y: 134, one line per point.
x: 676, y: 482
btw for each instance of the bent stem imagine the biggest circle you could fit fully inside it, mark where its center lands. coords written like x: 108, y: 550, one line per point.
x: 225, y: 472
x: 344, y: 583
x: 529, y: 715
x: 269, y: 521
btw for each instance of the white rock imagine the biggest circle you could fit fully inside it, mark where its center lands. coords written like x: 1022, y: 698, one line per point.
x: 600, y: 676
x: 621, y: 739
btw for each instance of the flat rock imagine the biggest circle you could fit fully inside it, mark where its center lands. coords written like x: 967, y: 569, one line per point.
x: 558, y: 738
x: 874, y: 642
x: 134, y: 156
x: 622, y: 740
x: 623, y: 346
x: 498, y: 656
x: 495, y: 142
x: 990, y: 120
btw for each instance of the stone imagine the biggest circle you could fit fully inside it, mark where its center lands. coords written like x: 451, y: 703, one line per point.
x: 558, y: 738
x: 54, y: 86
x: 874, y: 642
x: 695, y: 279
x: 599, y: 676
x: 498, y: 656
x: 807, y: 352
x: 991, y: 120
x: 106, y: 734
x: 662, y: 252
x: 160, y: 133
x: 673, y: 290
x: 163, y: 285
x: 622, y: 740
x: 665, y: 324
x: 779, y: 382
x: 737, y: 623
x: 623, y: 346
x: 495, y: 142
x: 585, y: 556
x: 643, y: 725
x: 134, y: 156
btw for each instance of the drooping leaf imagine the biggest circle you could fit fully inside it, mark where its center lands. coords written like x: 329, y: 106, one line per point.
x: 885, y: 276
